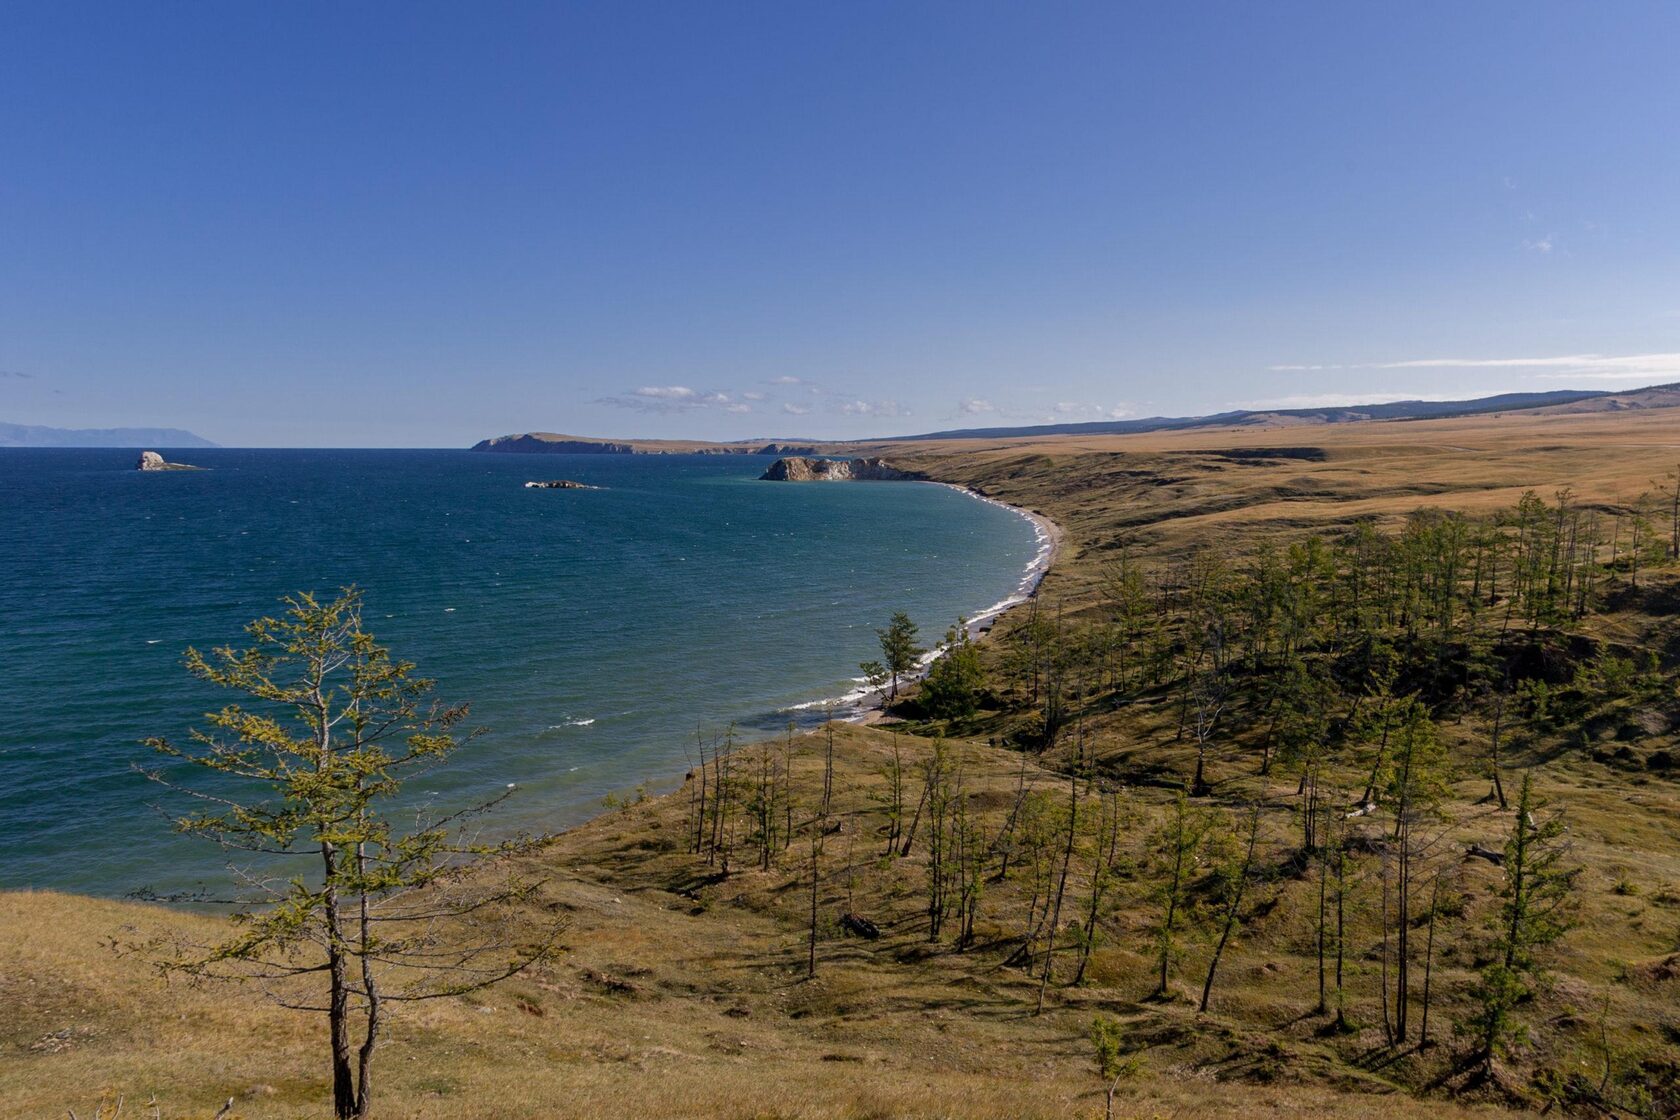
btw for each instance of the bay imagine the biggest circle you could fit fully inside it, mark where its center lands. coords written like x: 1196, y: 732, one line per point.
x: 595, y: 632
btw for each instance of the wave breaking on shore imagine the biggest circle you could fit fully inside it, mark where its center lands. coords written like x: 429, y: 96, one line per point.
x: 861, y: 702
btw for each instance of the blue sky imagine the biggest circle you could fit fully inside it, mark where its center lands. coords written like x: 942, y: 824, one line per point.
x: 420, y: 224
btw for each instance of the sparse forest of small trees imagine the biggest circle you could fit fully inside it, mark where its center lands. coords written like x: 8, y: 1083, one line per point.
x: 1308, y: 716
x: 1308, y: 688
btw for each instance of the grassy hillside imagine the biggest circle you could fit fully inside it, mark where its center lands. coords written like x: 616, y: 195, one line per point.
x: 681, y: 993
x: 683, y: 987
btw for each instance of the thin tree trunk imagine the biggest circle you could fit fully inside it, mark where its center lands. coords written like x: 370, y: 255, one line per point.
x: 1231, y: 910
x: 338, y: 994
x: 1493, y: 762
x: 370, y: 990
x: 816, y: 854
x: 1323, y: 886
x: 1429, y: 961
x: 1061, y: 887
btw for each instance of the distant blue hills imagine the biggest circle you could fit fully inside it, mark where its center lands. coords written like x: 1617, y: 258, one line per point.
x: 34, y: 435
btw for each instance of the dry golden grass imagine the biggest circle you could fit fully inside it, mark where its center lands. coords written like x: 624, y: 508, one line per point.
x: 1159, y: 492
x: 665, y: 1005
x: 682, y: 996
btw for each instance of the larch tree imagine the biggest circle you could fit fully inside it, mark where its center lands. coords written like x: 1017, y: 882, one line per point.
x: 899, y: 652
x: 377, y: 914
x: 953, y: 685
x: 1177, y: 849
x: 1538, y: 893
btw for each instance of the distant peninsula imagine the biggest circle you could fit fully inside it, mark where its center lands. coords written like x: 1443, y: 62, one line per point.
x: 1556, y: 402
x: 550, y: 443
x: 30, y: 435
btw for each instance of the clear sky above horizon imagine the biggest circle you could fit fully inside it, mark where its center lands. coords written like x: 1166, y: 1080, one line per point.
x: 419, y: 224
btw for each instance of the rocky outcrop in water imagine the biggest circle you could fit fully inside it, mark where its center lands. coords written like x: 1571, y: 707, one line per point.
x: 559, y: 484
x: 152, y: 461
x: 800, y: 468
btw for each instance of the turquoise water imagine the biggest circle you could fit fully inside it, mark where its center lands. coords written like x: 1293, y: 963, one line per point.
x: 594, y: 631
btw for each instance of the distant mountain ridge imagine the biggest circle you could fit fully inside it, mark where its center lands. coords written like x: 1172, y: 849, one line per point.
x: 1558, y: 400
x: 1339, y: 414
x: 33, y: 435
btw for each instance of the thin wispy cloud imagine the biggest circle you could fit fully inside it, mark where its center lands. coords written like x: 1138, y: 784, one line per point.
x: 872, y: 408
x: 795, y: 409
x: 1560, y: 367
x: 1090, y: 410
x: 1542, y: 244
x: 674, y: 398
x: 785, y: 380
x: 1631, y: 364
x: 975, y: 407
x: 1608, y: 375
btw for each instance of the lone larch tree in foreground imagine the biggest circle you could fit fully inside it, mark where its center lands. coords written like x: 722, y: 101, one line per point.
x: 311, y: 772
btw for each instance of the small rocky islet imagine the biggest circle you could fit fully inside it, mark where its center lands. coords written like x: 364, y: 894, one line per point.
x: 152, y: 461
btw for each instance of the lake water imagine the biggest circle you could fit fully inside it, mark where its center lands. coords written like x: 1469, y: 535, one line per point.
x: 594, y: 631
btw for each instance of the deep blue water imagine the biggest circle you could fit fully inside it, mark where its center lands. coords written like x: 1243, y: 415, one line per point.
x: 593, y: 631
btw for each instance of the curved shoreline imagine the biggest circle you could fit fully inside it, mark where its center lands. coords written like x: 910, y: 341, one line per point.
x: 868, y: 706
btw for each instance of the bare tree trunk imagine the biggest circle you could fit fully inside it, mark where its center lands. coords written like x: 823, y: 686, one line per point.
x: 910, y: 837
x: 1388, y: 1026
x: 700, y: 817
x: 1108, y: 841
x: 338, y: 995
x: 1231, y: 910
x: 787, y: 785
x: 1493, y: 761
x: 817, y: 829
x: 1323, y: 890
x: 1429, y: 961
x: 1341, y: 928
x: 828, y: 769
x: 1006, y: 838
x: 1061, y: 888
x: 370, y: 991
x: 1382, y: 753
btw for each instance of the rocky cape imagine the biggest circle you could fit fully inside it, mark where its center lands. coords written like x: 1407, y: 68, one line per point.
x: 152, y: 461
x: 800, y: 468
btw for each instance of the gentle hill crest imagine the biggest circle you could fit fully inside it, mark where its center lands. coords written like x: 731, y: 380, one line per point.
x: 1562, y: 400
x: 1555, y: 402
